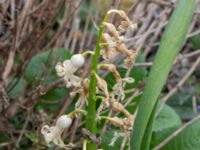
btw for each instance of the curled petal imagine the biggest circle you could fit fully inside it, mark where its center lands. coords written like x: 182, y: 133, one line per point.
x: 45, y: 129
x: 76, y: 81
x: 109, y: 53
x: 112, y: 68
x: 60, y: 69
x: 112, y: 30
x: 118, y: 90
x: 50, y: 133
x: 67, y: 81
x: 58, y: 141
x: 126, y: 23
x: 128, y: 80
x: 72, y: 80
x: 117, y: 106
x: 109, y: 40
x: 102, y: 84
x: 133, y: 26
x: 130, y: 60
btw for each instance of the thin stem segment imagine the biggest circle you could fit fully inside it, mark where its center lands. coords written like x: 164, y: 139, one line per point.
x: 91, y: 108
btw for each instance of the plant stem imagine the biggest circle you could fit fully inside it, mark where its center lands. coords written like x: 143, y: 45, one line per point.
x: 91, y: 108
x: 77, y: 111
x: 171, y: 43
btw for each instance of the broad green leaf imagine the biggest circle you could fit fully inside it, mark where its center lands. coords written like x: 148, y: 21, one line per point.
x: 17, y: 90
x: 56, y: 94
x: 165, y: 123
x: 188, y: 139
x: 38, y: 66
x: 195, y: 41
x: 106, y: 140
x: 182, y: 104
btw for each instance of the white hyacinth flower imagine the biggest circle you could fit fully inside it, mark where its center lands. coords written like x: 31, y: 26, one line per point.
x: 68, y: 68
x: 53, y: 133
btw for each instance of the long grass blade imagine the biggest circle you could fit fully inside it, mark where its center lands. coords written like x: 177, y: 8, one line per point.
x: 171, y: 43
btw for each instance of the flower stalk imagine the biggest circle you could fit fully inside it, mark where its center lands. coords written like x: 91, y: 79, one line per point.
x: 77, y: 111
x: 91, y: 108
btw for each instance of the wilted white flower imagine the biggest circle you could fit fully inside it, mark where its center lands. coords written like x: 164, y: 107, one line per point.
x: 109, y: 40
x: 109, y: 52
x: 118, y: 88
x: 83, y: 91
x: 126, y: 24
x: 53, y: 133
x: 112, y: 30
x: 114, y: 45
x: 68, y: 68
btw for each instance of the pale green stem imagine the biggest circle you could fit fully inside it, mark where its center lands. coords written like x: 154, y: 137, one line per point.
x: 71, y: 114
x: 87, y: 52
x: 91, y: 108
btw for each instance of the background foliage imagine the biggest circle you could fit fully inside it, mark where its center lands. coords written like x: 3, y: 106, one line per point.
x: 35, y: 35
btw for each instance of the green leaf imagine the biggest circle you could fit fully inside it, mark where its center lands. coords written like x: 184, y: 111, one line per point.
x: 38, y: 66
x: 106, y: 140
x: 165, y: 123
x: 58, y: 93
x: 182, y: 103
x: 195, y: 41
x: 188, y: 139
x: 170, y: 45
x: 17, y: 90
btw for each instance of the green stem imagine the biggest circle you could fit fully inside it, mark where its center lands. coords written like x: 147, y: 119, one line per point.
x: 91, y: 108
x: 171, y: 43
x: 77, y: 111
x: 87, y: 52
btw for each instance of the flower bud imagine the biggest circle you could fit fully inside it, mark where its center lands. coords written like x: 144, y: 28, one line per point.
x: 64, y: 121
x: 77, y: 60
